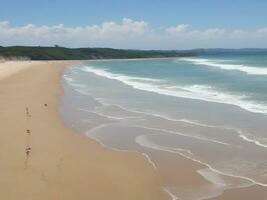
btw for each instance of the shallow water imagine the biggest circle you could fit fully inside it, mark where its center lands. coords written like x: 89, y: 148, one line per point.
x: 212, y: 110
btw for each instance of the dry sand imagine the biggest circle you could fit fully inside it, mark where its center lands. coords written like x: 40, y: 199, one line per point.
x: 7, y: 68
x: 60, y: 164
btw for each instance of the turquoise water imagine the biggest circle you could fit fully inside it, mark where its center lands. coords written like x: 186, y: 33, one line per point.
x: 240, y: 81
x: 211, y: 109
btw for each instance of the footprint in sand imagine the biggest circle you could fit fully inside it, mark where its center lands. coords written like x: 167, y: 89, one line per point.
x: 28, y: 115
x: 27, y: 151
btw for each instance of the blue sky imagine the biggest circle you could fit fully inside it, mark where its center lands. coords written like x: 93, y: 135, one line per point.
x: 200, y: 15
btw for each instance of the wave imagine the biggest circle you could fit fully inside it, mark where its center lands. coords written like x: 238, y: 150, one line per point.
x: 71, y: 81
x: 243, y: 136
x: 198, y: 92
x: 243, y: 68
x: 248, y: 138
x: 184, y: 135
x: 142, y: 140
x: 105, y: 73
x: 167, y: 190
x: 254, y: 141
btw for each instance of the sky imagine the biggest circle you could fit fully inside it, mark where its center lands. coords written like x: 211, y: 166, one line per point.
x: 135, y: 24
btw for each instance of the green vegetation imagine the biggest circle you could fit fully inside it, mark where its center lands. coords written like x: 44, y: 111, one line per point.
x: 62, y: 53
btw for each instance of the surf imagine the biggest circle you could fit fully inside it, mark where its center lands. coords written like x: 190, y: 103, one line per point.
x: 197, y: 92
x: 224, y: 66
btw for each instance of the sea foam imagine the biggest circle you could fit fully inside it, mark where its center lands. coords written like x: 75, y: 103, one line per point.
x: 212, y: 63
x: 143, y: 140
x: 198, y: 92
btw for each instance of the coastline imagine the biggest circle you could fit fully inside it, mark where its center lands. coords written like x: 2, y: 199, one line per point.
x: 181, y: 175
x: 134, y: 59
x: 41, y: 159
x: 64, y: 164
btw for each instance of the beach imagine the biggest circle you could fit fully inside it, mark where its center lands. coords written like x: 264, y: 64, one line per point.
x: 58, y: 141
x: 148, y: 100
x: 191, y: 126
x: 42, y: 159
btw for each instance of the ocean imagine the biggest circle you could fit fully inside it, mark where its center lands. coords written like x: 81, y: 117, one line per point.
x: 211, y: 109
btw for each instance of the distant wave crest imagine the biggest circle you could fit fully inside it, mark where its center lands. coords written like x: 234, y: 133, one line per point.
x: 212, y: 63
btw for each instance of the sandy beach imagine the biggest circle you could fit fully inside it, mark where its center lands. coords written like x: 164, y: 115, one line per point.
x: 148, y: 100
x: 41, y: 159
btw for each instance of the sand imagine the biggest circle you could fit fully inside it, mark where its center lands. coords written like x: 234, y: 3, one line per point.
x: 40, y: 159
x: 7, y: 68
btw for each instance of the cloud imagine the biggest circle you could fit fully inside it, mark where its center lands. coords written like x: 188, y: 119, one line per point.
x: 177, y: 29
x: 263, y: 31
x: 130, y: 34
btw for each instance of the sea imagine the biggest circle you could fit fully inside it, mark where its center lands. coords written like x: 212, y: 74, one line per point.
x: 211, y: 109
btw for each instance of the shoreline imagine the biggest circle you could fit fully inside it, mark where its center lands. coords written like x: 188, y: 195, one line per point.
x: 49, y: 161
x: 116, y: 133
x: 65, y: 164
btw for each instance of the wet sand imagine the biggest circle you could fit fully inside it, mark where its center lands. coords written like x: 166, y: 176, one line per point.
x: 41, y: 159
x: 253, y: 192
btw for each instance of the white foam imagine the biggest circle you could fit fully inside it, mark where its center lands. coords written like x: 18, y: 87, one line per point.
x: 102, y: 115
x: 212, y: 177
x: 189, y: 121
x: 73, y: 82
x: 193, y: 122
x: 150, y: 161
x: 90, y: 132
x: 105, y: 73
x: 254, y: 141
x: 199, y: 92
x: 185, y: 135
x: 170, y: 193
x: 143, y: 141
x: 68, y: 79
x: 236, y: 67
x: 145, y: 79
x: 241, y: 135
